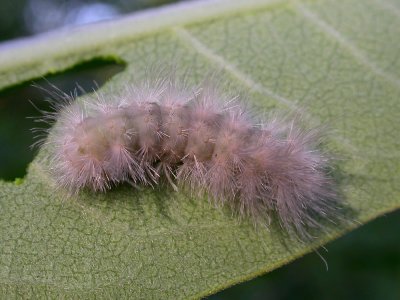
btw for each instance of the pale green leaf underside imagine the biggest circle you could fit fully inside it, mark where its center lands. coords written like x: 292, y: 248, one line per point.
x: 338, y: 60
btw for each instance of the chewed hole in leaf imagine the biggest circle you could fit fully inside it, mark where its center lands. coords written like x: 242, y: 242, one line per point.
x: 15, y: 110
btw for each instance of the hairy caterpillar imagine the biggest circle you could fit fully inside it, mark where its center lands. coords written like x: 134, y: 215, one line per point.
x: 197, y: 138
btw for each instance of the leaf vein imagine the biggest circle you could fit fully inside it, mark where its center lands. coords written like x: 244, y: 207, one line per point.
x: 345, y: 43
x: 389, y: 7
x: 204, y: 50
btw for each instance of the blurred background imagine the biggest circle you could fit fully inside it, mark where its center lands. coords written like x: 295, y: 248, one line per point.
x: 364, y: 264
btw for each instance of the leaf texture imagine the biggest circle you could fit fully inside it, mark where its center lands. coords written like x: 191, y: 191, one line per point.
x: 337, y: 60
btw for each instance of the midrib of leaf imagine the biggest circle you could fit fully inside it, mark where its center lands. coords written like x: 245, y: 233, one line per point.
x: 101, y: 35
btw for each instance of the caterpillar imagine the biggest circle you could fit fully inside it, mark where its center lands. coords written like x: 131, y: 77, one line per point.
x: 197, y: 138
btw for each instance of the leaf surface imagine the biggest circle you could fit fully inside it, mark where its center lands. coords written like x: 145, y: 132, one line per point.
x: 337, y: 60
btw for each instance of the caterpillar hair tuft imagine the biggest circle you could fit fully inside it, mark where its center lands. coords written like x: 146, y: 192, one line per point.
x: 199, y: 138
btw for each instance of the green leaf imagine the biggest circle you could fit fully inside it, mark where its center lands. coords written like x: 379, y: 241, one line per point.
x: 337, y: 60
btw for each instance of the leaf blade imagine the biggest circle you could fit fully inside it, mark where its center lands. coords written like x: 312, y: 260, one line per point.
x: 114, y: 245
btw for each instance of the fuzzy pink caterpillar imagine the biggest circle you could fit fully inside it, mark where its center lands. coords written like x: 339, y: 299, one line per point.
x: 194, y: 138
